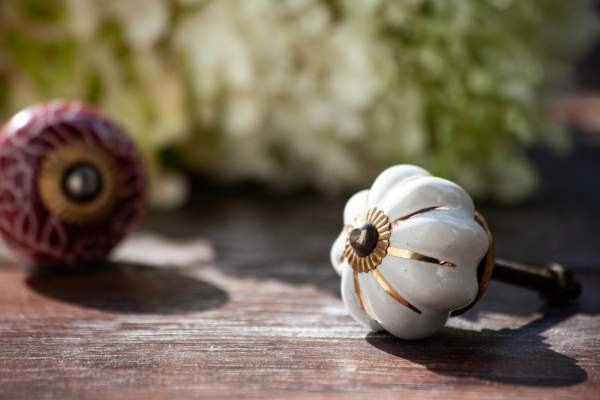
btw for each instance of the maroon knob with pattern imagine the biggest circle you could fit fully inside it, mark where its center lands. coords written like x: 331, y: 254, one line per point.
x: 72, y: 184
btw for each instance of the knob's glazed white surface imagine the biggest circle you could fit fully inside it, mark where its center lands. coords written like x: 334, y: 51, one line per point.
x: 423, y: 261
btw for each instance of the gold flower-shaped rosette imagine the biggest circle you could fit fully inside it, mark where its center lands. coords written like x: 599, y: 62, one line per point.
x: 384, y: 229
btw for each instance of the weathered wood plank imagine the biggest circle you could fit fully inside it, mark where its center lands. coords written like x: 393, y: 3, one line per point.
x: 233, y: 297
x: 258, y: 315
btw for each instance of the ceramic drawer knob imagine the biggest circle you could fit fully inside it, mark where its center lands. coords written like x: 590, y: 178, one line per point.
x: 409, y: 252
x: 72, y: 184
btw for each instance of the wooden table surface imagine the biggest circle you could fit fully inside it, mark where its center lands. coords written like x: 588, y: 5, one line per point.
x: 233, y: 297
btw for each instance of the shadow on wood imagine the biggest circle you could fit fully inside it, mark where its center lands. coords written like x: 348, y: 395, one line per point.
x: 490, y: 354
x: 129, y: 288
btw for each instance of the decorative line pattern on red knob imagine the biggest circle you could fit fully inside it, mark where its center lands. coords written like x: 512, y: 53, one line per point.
x: 27, y: 223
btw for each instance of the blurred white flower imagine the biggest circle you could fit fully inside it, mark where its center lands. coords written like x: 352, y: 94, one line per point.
x: 144, y: 21
x: 168, y: 191
x: 298, y: 92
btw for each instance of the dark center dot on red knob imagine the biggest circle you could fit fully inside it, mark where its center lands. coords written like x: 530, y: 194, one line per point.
x: 363, y: 239
x: 82, y: 182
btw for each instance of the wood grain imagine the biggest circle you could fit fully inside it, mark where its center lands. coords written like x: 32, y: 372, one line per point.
x: 254, y: 312
x: 233, y: 297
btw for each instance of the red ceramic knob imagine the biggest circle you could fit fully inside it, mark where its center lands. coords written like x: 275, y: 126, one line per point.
x: 72, y: 184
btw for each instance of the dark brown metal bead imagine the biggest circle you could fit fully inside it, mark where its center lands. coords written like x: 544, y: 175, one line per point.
x: 82, y: 182
x: 364, y: 239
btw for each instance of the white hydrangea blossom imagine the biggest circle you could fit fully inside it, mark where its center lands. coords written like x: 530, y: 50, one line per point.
x: 295, y: 81
x: 304, y: 91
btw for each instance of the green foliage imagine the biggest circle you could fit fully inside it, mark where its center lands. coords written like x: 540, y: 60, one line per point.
x: 326, y: 92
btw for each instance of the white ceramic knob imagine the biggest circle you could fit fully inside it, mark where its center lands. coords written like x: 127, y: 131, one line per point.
x: 409, y: 252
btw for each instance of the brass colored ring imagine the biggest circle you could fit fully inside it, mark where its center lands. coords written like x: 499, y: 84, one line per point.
x: 54, y: 167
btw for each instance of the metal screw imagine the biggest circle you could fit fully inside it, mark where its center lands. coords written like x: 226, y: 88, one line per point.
x: 554, y: 282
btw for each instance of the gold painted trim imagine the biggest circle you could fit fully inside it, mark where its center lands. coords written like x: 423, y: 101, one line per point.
x: 392, y: 292
x: 488, y: 268
x: 361, y: 300
x: 370, y: 262
x: 51, y: 172
x: 397, y: 221
x: 358, y: 292
x: 412, y: 255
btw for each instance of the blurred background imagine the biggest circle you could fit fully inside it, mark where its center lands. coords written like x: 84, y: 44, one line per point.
x: 318, y: 94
